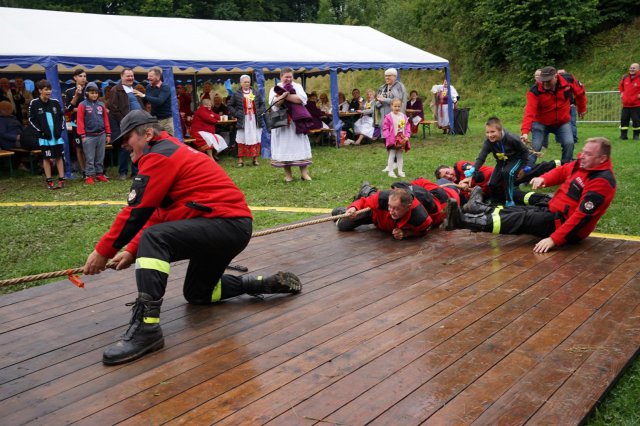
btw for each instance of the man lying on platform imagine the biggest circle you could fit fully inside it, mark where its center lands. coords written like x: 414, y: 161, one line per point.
x: 587, y: 187
x: 407, y: 210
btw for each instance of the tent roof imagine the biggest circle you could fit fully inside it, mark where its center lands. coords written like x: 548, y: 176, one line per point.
x: 198, y: 44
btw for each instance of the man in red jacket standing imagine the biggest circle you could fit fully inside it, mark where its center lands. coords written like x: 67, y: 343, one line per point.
x: 587, y: 187
x: 182, y: 205
x: 630, y: 94
x: 548, y: 110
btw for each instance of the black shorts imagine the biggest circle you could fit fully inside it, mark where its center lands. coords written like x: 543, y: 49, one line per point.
x: 53, y: 151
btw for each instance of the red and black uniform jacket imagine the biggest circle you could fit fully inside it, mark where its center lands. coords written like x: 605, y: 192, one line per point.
x: 483, y: 174
x: 583, y: 197
x: 174, y: 182
x: 433, y: 197
x: 553, y: 107
x: 630, y: 90
x: 416, y: 219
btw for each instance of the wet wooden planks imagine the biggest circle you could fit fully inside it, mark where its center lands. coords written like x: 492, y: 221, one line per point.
x: 456, y: 328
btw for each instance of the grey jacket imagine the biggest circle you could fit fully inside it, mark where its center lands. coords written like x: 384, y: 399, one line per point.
x: 236, y: 106
x: 397, y: 92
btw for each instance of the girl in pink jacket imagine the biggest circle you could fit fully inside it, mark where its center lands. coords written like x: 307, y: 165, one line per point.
x: 396, y: 131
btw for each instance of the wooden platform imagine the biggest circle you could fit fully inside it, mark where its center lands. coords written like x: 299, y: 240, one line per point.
x: 456, y: 328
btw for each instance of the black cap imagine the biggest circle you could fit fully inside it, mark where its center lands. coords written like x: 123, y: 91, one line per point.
x: 132, y: 120
x: 547, y: 73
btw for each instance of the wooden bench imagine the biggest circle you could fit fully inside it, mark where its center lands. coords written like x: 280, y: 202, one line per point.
x: 7, y: 155
x: 426, y: 124
x: 33, y: 156
x: 325, y: 134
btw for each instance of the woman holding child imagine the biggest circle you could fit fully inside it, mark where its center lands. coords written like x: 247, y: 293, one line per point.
x: 290, y: 145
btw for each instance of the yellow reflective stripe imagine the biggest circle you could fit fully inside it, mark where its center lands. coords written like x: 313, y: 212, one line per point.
x: 527, y: 196
x: 495, y: 215
x: 151, y: 263
x: 151, y: 320
x: 217, y: 292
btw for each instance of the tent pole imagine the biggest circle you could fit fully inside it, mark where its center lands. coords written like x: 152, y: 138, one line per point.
x: 265, y: 138
x: 337, y: 124
x: 167, y: 74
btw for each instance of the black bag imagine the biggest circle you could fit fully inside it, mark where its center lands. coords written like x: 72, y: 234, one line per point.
x: 461, y: 121
x: 276, y: 118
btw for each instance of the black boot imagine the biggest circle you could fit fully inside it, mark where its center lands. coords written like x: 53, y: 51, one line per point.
x: 636, y: 135
x: 476, y: 222
x: 453, y: 219
x: 144, y: 334
x: 365, y: 190
x: 623, y: 135
x: 475, y: 204
x: 282, y: 282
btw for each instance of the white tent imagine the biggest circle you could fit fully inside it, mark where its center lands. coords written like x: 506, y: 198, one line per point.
x: 39, y: 39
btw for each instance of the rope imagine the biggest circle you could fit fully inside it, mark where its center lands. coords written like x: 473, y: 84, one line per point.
x: 307, y: 223
x: 71, y: 273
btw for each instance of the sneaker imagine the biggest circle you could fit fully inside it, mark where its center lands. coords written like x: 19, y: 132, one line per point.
x: 385, y: 170
x: 61, y: 183
x: 123, y: 177
x: 102, y: 178
x: 401, y: 173
x: 50, y: 184
x: 392, y: 175
x: 89, y: 180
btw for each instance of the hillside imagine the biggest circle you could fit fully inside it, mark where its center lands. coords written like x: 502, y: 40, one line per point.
x: 599, y: 67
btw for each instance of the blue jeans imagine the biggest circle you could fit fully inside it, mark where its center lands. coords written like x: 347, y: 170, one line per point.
x: 563, y: 136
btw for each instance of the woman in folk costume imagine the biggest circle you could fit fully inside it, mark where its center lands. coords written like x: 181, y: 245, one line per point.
x: 247, y: 106
x: 416, y: 115
x: 442, y: 93
x: 364, y: 127
x: 290, y: 145
x: 204, y: 120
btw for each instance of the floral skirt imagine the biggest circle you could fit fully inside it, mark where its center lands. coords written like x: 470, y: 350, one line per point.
x: 248, y: 150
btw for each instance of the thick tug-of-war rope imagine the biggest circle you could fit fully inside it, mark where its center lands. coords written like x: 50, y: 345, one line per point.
x: 71, y: 274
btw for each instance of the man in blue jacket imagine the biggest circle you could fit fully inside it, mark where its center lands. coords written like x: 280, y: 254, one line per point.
x: 158, y: 94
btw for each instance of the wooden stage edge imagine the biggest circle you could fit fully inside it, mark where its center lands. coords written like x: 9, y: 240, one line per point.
x: 456, y: 328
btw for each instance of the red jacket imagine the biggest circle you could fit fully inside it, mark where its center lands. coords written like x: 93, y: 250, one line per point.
x: 630, y: 90
x: 416, y: 219
x: 203, y: 120
x: 583, y: 197
x: 553, y: 107
x: 174, y: 182
x: 485, y: 171
x: 441, y: 195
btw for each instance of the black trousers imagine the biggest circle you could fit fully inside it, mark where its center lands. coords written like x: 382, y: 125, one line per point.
x: 346, y: 224
x: 533, y: 220
x: 209, y: 244
x: 630, y: 114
